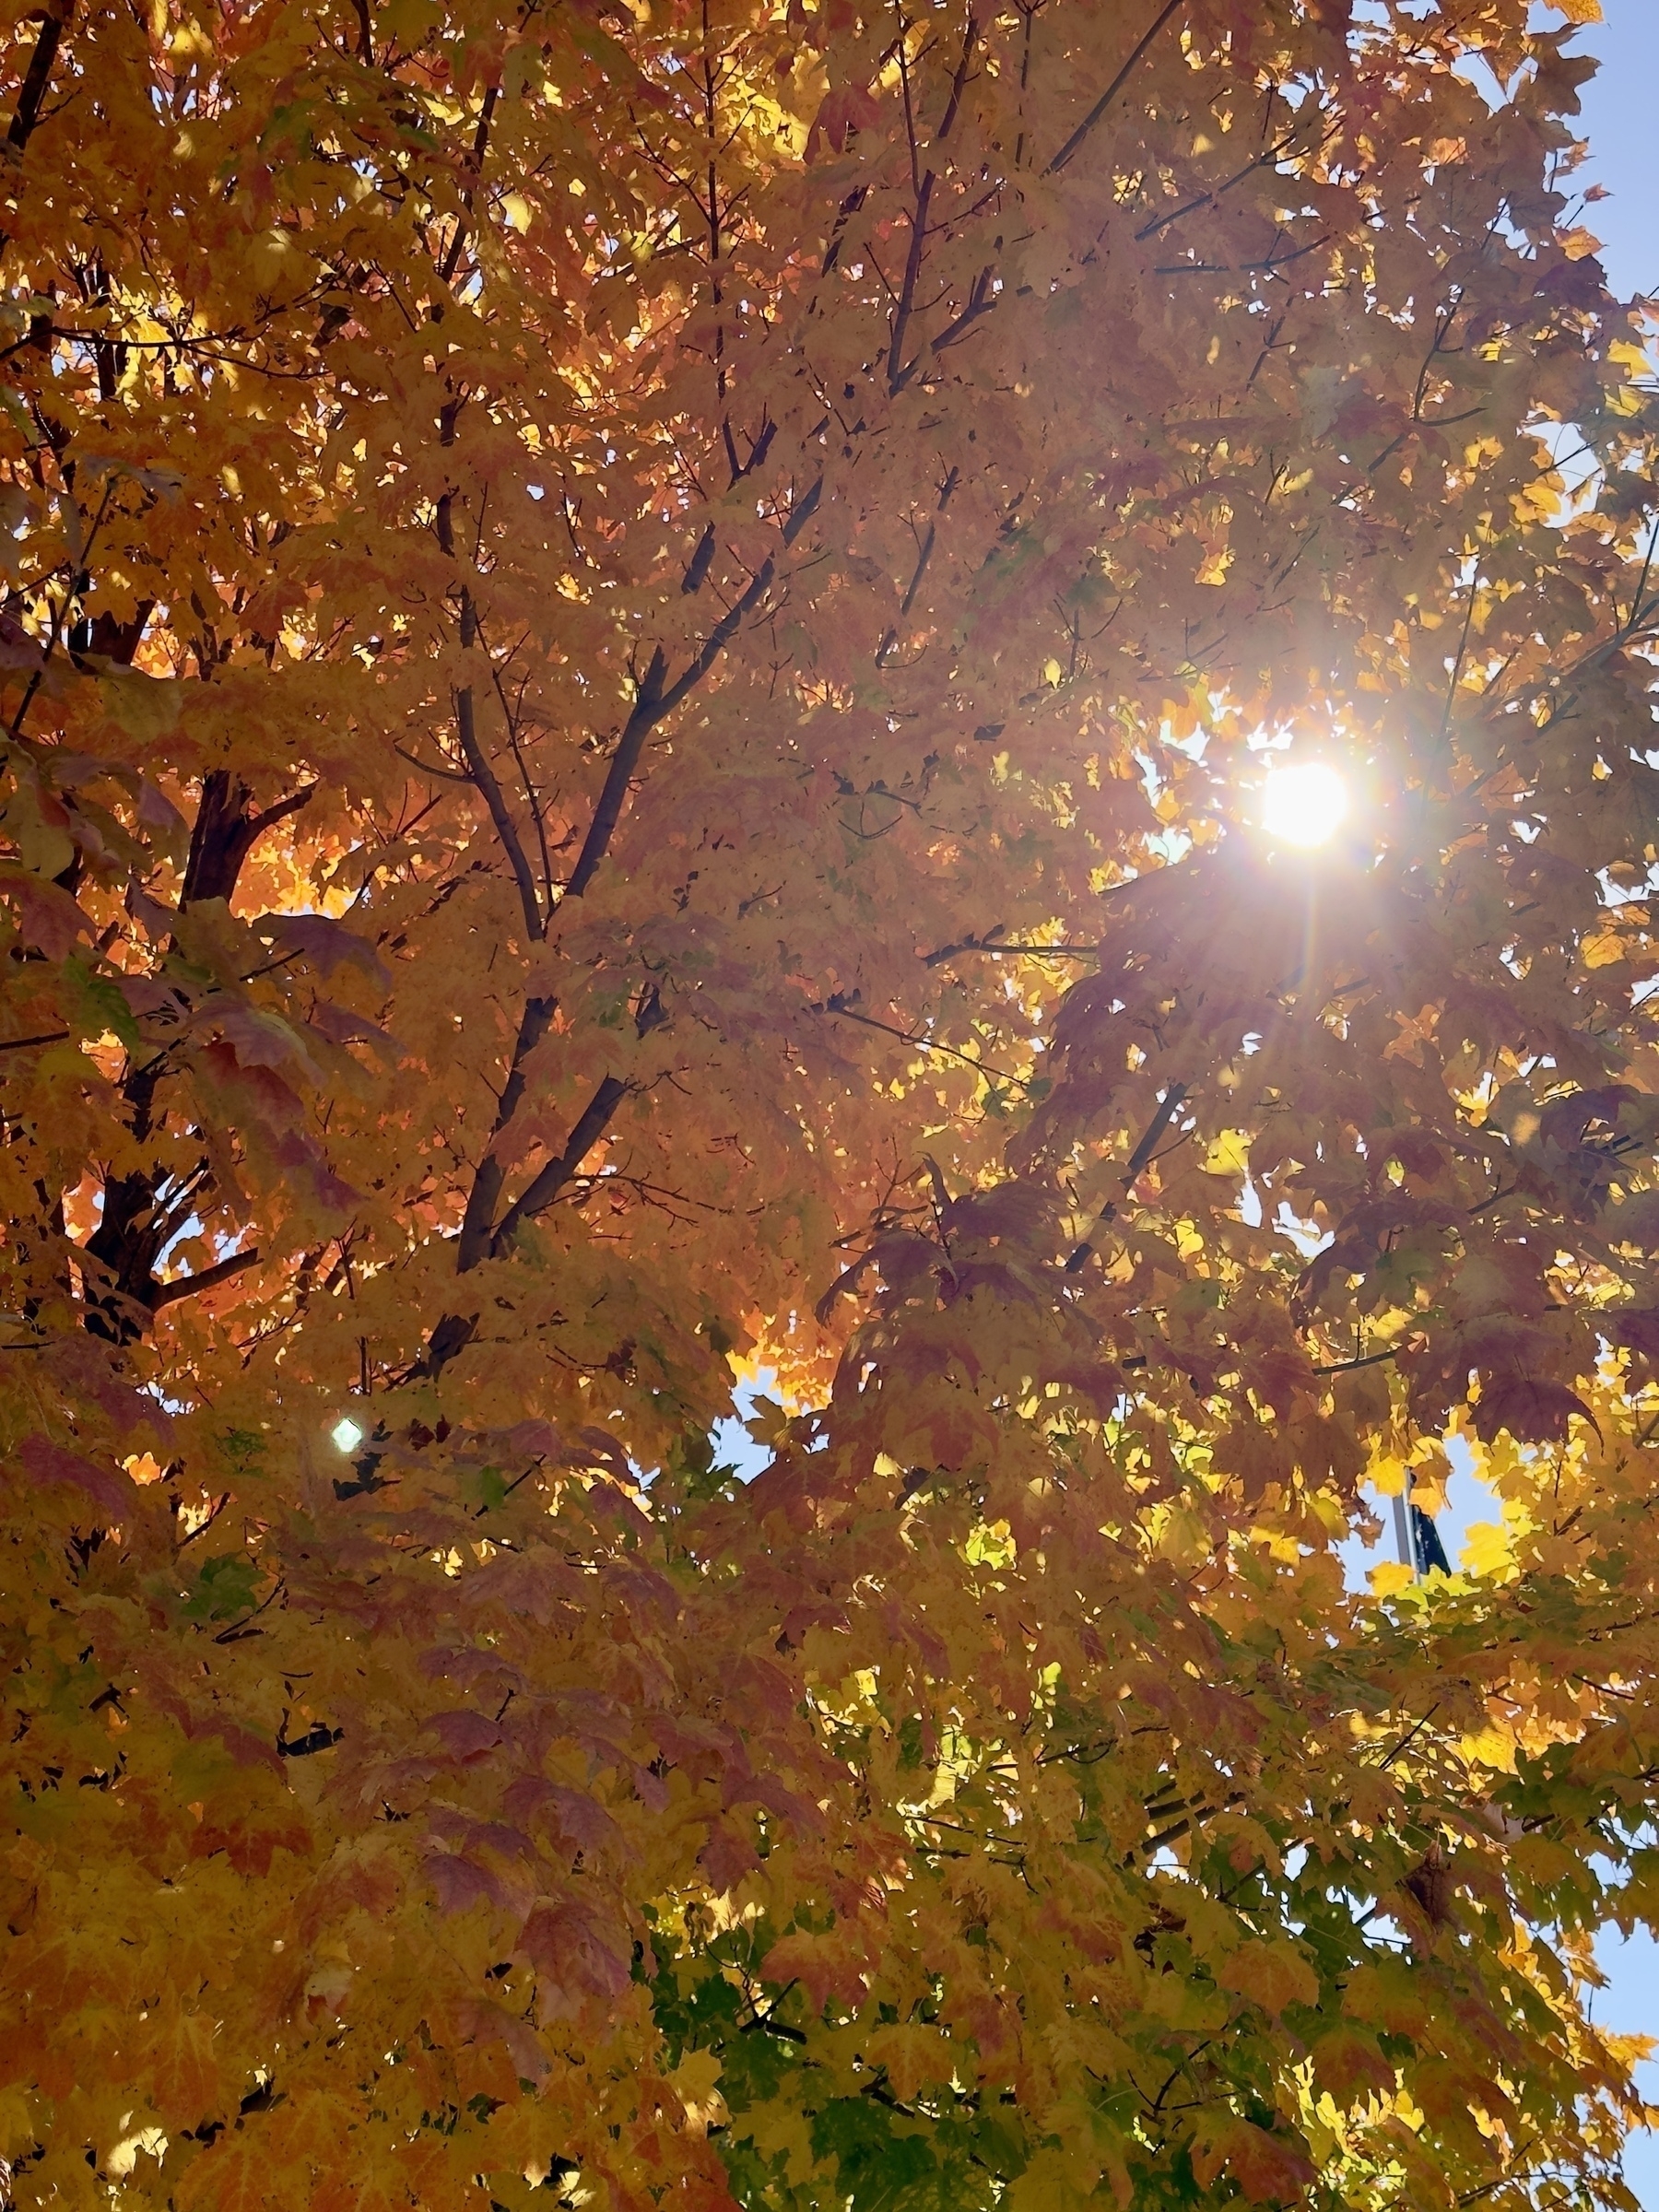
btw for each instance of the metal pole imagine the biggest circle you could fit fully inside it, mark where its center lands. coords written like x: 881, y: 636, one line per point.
x: 1402, y: 1521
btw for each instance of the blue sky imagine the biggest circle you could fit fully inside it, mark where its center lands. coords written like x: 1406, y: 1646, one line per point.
x: 1620, y: 123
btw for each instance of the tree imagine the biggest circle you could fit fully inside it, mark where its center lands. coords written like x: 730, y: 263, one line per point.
x: 638, y: 658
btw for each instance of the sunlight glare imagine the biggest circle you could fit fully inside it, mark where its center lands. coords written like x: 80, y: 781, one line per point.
x: 1302, y: 806
x: 348, y: 1435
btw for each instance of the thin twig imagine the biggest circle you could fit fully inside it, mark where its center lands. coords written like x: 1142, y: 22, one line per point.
x: 1347, y: 1366
x: 1030, y: 951
x: 17, y: 1044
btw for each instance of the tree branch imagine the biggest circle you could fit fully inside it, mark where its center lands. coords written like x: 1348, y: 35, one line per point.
x: 206, y: 1278
x: 981, y: 301
x: 17, y: 1044
x: 36, y: 78
x: 480, y: 773
x: 897, y: 375
x: 698, y: 567
x: 464, y: 220
x: 1168, y: 1107
x: 481, y: 1237
x: 1113, y: 90
x: 646, y: 712
x: 655, y: 700
x: 1037, y: 952
x: 540, y: 1192
x: 1347, y: 1366
x: 478, y: 1226
x: 958, y: 82
x: 484, y: 777
x: 837, y: 1005
x: 224, y: 833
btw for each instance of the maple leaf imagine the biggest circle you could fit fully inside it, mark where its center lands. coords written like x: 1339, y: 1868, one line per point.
x: 1533, y: 1411
x: 1271, y: 1974
x: 236, y: 2177
x: 54, y: 1466
x: 646, y: 663
x: 1268, y: 2168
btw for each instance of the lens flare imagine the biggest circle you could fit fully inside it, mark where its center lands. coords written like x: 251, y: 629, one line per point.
x: 1303, y: 806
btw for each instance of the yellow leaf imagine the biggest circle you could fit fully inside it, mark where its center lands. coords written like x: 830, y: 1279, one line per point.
x: 1487, y: 1549
x: 768, y: 1421
x: 1229, y: 1155
x: 17, y: 2122
x: 914, y: 2055
x: 989, y: 1546
x: 772, y: 2130
x: 1492, y: 1748
x: 1179, y: 1535
x: 1602, y: 950
x: 1057, y: 2180
x: 517, y: 210
x: 1389, y: 1475
x: 1431, y: 1472
x: 1182, y: 2004
x: 694, y: 2082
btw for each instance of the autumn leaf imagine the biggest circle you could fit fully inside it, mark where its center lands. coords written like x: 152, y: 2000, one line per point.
x: 1270, y: 1975
x: 53, y: 1466
x: 1268, y: 2168
x: 712, y: 1240
x: 1533, y: 1411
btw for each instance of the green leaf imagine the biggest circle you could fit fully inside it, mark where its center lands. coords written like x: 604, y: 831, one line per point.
x: 96, y: 1004
x: 225, y: 1587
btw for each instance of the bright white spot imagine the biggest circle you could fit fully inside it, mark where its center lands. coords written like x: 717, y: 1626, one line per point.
x: 348, y: 1435
x: 1302, y: 806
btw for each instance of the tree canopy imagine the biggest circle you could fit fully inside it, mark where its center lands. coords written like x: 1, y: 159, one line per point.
x: 642, y: 641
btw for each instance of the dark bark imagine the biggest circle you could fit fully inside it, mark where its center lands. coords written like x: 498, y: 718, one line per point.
x: 136, y: 1229
x: 225, y: 833
x: 36, y: 78
x: 478, y: 1224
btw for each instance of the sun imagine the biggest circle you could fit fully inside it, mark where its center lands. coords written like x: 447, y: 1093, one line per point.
x: 1305, y: 804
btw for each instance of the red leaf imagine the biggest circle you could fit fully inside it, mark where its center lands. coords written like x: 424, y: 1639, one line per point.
x: 84, y: 1367
x: 458, y: 1883
x: 44, y: 1462
x: 47, y: 915
x: 727, y: 1856
x: 1533, y: 1413
x: 324, y: 943
x: 1637, y: 1327
x: 1269, y: 2168
x: 464, y: 1735
x: 483, y: 2023
x: 573, y: 1949
x: 579, y: 1819
x: 848, y: 108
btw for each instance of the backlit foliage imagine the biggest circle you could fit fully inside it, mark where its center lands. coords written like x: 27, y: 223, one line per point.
x: 640, y: 643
